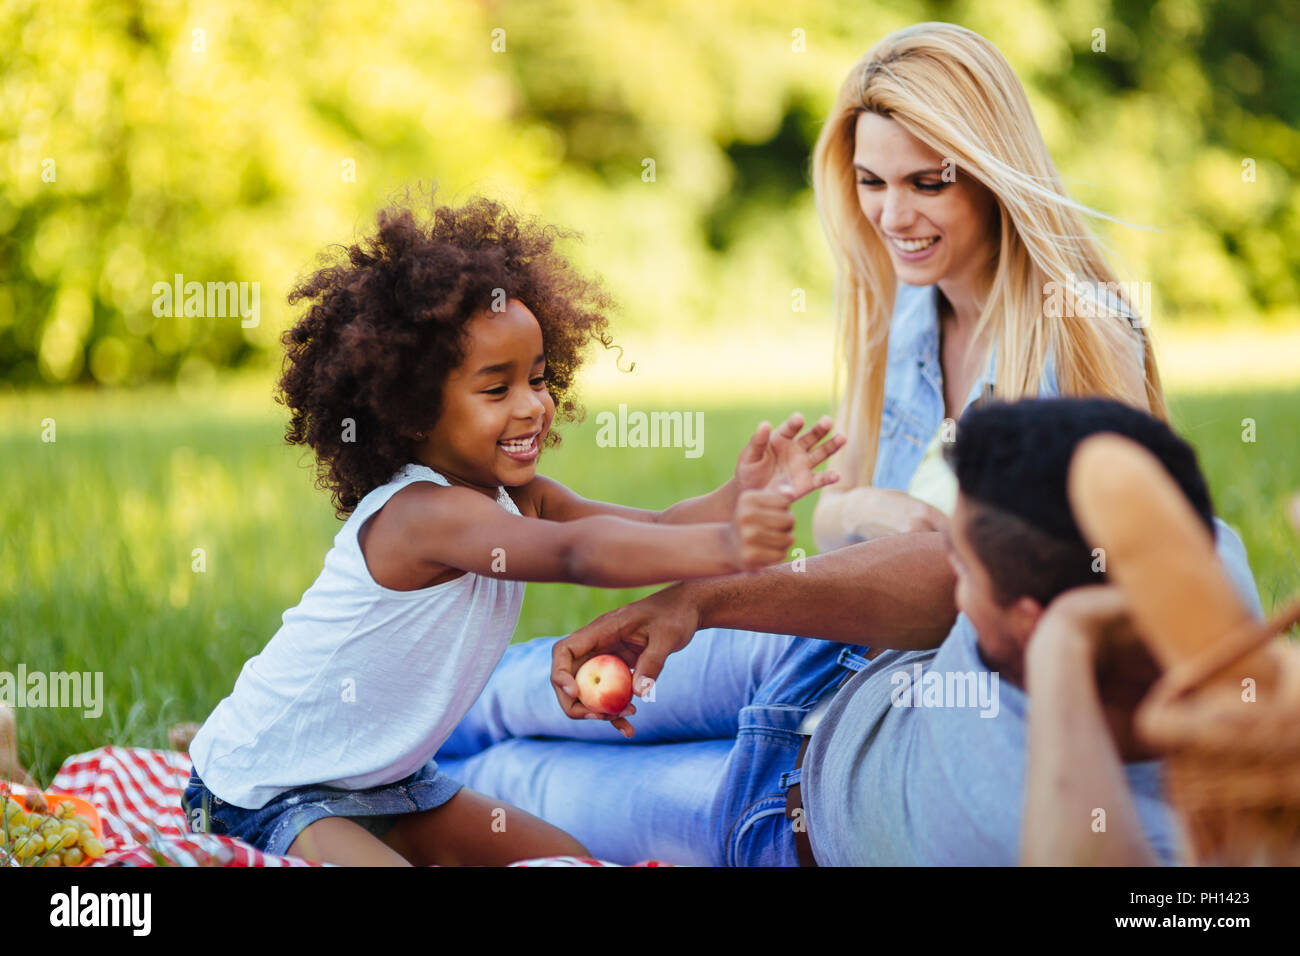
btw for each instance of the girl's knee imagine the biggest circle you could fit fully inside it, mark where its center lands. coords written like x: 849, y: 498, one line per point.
x: 474, y: 829
x: 340, y: 841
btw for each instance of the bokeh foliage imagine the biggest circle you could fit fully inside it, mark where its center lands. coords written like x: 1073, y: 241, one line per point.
x: 143, y: 138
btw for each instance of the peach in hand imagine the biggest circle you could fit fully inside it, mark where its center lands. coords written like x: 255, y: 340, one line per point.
x: 605, y: 684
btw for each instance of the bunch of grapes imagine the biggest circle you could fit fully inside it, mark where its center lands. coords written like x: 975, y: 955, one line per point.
x: 57, y: 838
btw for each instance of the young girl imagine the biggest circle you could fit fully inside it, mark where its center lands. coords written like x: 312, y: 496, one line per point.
x: 425, y: 375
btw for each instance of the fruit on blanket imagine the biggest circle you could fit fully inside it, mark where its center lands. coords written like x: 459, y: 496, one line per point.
x: 605, y: 684
x: 57, y: 838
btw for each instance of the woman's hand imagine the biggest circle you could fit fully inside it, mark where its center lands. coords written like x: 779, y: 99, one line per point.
x: 868, y: 513
x: 642, y: 633
x: 786, y: 457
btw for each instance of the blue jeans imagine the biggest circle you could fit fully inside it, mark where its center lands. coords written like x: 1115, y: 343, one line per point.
x: 699, y: 783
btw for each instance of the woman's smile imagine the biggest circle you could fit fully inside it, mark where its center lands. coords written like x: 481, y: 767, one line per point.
x: 913, y: 250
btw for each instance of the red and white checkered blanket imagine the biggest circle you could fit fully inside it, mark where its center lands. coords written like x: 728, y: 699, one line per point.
x: 138, y: 795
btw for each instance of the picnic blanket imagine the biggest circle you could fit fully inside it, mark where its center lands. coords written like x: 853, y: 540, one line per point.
x: 137, y: 793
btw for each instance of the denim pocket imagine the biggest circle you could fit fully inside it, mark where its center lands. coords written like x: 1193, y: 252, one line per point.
x: 215, y: 823
x: 888, y: 421
x: 192, y: 807
x: 201, y: 808
x: 763, y: 836
x: 895, y: 416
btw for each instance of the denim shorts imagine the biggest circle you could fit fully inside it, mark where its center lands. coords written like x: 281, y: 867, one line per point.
x: 273, y: 827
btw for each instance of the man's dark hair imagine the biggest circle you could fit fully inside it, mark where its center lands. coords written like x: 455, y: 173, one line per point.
x: 1012, y: 460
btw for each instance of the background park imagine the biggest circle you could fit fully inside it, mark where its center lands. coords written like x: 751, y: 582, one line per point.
x: 155, y: 526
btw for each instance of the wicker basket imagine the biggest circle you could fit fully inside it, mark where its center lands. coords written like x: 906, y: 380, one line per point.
x: 1233, y: 764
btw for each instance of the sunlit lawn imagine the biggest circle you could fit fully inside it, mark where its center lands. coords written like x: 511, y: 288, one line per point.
x: 100, y: 529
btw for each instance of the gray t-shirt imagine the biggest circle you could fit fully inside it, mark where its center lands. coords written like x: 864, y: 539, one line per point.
x: 920, y: 759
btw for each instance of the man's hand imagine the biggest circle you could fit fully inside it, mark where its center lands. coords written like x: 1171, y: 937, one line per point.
x: 1092, y: 626
x: 643, y: 634
x: 785, y: 457
x: 1097, y: 618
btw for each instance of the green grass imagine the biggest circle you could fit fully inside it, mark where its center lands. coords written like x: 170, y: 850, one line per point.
x: 98, y: 531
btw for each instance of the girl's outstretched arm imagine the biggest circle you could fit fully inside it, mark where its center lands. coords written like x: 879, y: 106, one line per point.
x: 460, y: 528
x: 767, y: 460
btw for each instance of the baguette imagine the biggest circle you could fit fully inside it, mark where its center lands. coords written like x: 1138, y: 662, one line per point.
x: 1159, y: 553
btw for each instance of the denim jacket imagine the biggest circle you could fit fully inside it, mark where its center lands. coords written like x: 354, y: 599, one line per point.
x: 913, y: 408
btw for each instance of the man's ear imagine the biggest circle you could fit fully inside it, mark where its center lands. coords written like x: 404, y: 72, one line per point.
x: 1022, y: 618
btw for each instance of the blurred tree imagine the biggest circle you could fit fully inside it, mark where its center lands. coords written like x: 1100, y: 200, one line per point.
x: 142, y: 139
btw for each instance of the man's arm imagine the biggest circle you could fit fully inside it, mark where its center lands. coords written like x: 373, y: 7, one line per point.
x: 1073, y: 766
x: 894, y: 592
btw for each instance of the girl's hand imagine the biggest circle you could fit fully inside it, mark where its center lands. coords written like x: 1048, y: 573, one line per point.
x: 786, y: 457
x: 762, y: 531
x: 876, y: 512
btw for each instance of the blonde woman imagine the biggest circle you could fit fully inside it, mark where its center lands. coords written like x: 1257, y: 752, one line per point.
x: 963, y: 269
x: 961, y: 266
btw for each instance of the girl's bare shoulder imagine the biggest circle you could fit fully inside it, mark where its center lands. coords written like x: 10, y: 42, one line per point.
x: 389, y: 540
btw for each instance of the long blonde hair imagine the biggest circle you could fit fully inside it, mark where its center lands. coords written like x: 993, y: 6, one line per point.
x: 951, y: 89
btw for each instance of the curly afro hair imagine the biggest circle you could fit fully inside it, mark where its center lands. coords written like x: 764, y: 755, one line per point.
x: 386, y: 326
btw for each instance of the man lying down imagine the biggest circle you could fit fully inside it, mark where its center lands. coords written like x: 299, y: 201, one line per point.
x: 916, y: 756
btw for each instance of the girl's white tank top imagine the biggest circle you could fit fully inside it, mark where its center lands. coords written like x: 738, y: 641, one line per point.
x: 361, y: 684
